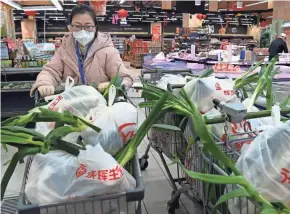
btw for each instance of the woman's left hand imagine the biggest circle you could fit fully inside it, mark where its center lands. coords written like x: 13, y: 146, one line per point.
x: 103, y: 86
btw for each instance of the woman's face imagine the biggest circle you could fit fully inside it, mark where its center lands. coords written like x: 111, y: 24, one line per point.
x: 83, y: 21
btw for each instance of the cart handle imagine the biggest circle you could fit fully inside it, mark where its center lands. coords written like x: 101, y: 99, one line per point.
x: 170, y: 87
x: 250, y: 115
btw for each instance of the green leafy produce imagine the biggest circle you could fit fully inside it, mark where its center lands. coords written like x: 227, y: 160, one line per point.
x: 30, y: 142
x: 129, y: 150
x: 183, y: 105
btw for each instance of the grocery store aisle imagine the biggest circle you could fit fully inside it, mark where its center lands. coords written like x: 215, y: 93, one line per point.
x: 157, y: 186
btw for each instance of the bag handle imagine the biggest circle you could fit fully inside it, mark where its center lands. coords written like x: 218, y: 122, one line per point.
x: 69, y: 83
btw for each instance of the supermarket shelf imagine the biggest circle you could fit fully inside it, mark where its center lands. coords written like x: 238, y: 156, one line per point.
x: 7, y: 71
x: 231, y: 36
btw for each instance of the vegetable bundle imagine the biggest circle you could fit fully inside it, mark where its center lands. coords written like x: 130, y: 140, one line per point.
x: 181, y: 104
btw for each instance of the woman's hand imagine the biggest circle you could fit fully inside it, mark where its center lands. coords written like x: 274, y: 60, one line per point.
x: 46, y: 90
x: 103, y: 86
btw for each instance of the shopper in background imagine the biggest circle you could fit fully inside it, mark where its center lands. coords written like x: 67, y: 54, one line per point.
x: 277, y: 46
x: 86, y: 55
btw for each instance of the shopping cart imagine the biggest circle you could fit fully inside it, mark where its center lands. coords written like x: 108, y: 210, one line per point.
x: 195, y: 160
x: 119, y: 203
x: 159, y: 140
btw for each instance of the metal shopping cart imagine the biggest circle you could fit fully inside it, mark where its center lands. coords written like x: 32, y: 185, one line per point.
x: 119, y: 203
x: 153, y: 75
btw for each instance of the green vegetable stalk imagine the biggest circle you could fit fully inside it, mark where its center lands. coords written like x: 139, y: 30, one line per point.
x: 30, y: 142
x: 184, y: 106
x: 129, y: 150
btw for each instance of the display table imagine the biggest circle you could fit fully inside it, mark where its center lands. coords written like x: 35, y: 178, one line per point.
x: 197, y: 67
x: 15, y: 90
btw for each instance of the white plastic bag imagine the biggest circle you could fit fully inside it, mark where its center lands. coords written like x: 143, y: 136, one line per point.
x: 118, y: 124
x: 78, y: 100
x: 58, y: 176
x: 172, y: 79
x: 266, y: 165
x: 203, y: 90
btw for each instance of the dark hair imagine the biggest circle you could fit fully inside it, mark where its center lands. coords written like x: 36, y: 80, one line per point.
x: 84, y: 9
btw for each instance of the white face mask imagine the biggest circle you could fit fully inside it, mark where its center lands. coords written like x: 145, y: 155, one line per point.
x: 84, y: 37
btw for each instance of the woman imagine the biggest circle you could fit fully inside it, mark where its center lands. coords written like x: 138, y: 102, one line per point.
x: 85, y: 54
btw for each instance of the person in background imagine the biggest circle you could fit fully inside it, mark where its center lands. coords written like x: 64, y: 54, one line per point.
x: 86, y: 55
x: 277, y: 46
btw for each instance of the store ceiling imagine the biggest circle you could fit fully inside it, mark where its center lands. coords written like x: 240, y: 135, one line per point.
x: 152, y: 10
x: 34, y: 3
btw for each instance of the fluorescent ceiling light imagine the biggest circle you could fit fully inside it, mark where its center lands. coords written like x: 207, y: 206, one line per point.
x: 239, y: 4
x: 54, y: 14
x: 39, y: 8
x: 57, y: 4
x: 61, y: 17
x: 197, y: 2
x: 122, y: 1
x: 147, y: 21
x: 12, y: 4
x: 248, y: 5
x: 70, y: 4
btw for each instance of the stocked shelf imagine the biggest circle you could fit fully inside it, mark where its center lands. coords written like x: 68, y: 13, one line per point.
x: 11, y: 71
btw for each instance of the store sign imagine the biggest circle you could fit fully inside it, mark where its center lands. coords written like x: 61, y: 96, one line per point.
x: 4, y: 50
x: 156, y: 31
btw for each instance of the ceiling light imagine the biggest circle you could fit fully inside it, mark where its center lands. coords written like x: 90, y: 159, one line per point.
x: 54, y: 14
x: 122, y: 1
x: 197, y: 2
x: 57, y: 4
x: 58, y: 17
x: 39, y: 8
x: 12, y: 4
x: 239, y: 4
x: 248, y: 5
x: 70, y: 4
x: 147, y: 21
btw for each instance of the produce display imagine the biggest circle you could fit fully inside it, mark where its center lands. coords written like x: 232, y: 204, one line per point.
x: 226, y: 67
x: 16, y: 85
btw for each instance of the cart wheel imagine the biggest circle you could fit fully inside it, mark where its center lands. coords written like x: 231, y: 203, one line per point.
x: 143, y: 163
x: 170, y: 208
x: 176, y: 202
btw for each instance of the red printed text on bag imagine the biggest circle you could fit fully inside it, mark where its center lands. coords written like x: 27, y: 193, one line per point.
x: 285, y: 176
x: 236, y: 129
x: 115, y: 173
x: 126, y: 131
